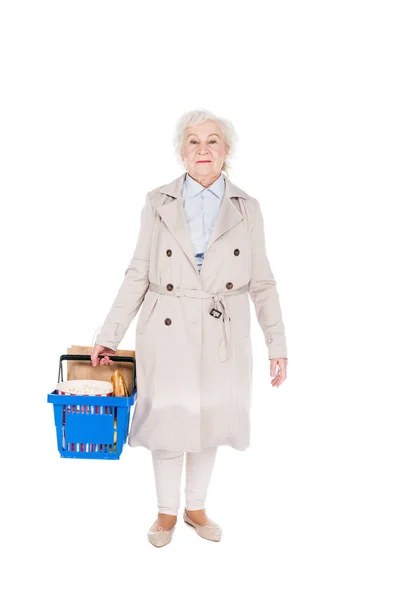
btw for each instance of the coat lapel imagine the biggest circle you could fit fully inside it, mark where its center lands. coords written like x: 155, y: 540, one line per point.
x: 173, y: 215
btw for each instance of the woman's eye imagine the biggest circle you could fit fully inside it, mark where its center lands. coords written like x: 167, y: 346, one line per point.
x: 193, y: 141
x: 213, y: 141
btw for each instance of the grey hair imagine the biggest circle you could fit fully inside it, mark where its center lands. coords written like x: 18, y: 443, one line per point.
x: 198, y: 116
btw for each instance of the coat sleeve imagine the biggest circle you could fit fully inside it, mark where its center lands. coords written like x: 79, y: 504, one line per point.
x: 263, y: 291
x: 134, y: 286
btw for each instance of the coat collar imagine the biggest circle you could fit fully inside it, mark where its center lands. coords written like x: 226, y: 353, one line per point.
x: 173, y: 215
x: 174, y: 188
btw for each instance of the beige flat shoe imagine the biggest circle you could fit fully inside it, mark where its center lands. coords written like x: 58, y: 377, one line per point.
x: 211, y: 532
x: 159, y: 536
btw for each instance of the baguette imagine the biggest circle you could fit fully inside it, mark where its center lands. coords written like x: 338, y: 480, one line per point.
x: 119, y: 384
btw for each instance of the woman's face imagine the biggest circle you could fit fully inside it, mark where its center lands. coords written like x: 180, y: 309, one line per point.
x: 203, y: 151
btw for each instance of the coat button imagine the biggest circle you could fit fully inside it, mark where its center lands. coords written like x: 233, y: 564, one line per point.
x: 236, y: 252
x: 169, y: 252
x: 168, y: 321
x: 170, y: 287
x: 229, y: 285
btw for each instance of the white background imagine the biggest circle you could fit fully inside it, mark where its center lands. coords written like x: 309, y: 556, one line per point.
x: 90, y: 95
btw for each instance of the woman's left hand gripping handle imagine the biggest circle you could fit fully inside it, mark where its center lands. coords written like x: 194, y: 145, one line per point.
x: 105, y: 361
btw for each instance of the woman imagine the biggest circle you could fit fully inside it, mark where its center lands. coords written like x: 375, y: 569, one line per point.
x: 200, y: 254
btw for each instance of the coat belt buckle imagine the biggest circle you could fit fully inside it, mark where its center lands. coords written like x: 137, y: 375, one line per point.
x: 215, y: 313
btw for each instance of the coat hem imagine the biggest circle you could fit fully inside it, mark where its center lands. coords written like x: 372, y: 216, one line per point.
x: 149, y: 447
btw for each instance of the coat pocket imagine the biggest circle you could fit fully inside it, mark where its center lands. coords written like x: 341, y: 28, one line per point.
x: 148, y: 307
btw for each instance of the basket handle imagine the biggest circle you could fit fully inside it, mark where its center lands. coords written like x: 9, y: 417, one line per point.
x: 115, y: 358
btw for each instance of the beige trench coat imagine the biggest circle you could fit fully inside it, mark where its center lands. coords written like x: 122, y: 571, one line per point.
x: 194, y: 370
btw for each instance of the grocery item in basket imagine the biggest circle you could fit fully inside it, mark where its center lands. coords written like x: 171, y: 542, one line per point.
x: 84, y: 387
x: 119, y: 384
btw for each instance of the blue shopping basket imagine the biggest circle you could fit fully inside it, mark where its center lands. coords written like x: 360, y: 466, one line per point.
x: 92, y: 426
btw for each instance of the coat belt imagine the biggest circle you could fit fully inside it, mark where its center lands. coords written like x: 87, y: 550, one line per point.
x: 218, y: 298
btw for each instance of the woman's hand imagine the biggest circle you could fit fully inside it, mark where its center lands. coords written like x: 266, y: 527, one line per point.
x: 101, y: 350
x: 280, y: 376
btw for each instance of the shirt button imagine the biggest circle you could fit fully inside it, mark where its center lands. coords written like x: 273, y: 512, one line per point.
x: 170, y: 287
x: 169, y: 252
x: 168, y: 321
x: 229, y: 285
x: 236, y: 252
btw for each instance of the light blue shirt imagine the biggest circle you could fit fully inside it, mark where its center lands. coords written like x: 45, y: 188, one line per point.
x: 201, y: 209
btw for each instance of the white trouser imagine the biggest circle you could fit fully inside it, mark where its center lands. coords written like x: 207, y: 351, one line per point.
x: 168, y: 472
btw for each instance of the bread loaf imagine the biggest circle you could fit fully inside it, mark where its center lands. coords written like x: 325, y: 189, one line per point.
x: 119, y: 384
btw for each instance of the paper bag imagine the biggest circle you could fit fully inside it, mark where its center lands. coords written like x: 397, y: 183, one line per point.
x: 80, y: 369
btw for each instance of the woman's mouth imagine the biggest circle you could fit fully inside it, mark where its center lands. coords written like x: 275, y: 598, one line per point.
x: 203, y: 161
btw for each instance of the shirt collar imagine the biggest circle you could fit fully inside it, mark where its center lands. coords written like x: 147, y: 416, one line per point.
x: 193, y: 187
